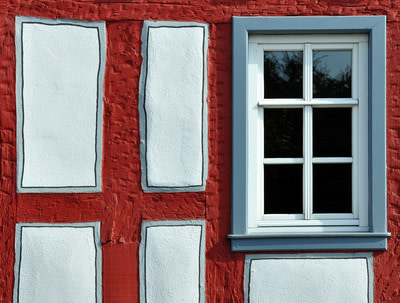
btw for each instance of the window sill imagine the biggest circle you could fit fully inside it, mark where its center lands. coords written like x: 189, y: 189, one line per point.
x: 309, y: 241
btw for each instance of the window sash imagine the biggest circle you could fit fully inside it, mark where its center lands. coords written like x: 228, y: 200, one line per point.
x: 308, y: 219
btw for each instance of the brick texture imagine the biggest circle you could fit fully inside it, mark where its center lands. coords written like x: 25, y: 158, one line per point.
x: 122, y: 205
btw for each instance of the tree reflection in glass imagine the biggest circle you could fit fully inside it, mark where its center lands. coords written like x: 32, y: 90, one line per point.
x: 332, y: 74
x: 283, y: 74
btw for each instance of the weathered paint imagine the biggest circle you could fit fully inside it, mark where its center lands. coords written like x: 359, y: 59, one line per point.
x: 122, y: 205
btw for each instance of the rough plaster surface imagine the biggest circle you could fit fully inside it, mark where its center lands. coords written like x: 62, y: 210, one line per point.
x: 122, y: 202
x: 172, y: 259
x: 56, y: 264
x: 60, y: 66
x: 173, y: 105
x: 308, y: 280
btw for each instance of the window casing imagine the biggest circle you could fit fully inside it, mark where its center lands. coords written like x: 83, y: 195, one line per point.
x: 304, y: 167
x: 364, y: 226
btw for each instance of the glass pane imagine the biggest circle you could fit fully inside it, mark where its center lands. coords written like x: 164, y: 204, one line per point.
x: 283, y: 74
x: 332, y: 132
x: 283, y: 189
x: 332, y: 188
x: 332, y: 74
x: 283, y: 133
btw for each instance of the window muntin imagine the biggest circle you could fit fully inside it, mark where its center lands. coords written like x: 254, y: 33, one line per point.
x: 319, y: 205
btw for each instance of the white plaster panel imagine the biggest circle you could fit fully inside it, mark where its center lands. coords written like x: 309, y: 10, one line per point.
x: 60, y: 65
x: 57, y: 265
x: 308, y: 280
x: 172, y: 260
x: 173, y: 105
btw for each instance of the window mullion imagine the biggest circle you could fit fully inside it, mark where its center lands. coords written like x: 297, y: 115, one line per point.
x: 307, y: 88
x: 307, y: 74
x: 307, y: 162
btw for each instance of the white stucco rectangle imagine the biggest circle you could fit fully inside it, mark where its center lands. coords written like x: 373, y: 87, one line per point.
x: 60, y: 67
x: 173, y: 106
x: 172, y: 262
x: 308, y: 279
x: 58, y: 263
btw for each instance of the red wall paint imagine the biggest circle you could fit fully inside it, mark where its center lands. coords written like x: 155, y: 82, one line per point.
x: 122, y: 205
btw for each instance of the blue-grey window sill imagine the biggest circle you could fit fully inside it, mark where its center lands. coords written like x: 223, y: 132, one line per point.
x: 309, y: 241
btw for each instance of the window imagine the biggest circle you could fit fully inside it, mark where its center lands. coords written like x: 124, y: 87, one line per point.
x: 307, y: 98
x: 309, y: 165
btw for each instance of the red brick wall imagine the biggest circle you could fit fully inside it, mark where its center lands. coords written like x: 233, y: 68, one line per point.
x: 122, y: 205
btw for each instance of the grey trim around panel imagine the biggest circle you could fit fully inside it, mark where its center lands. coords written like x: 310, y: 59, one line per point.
x: 142, y: 253
x: 367, y: 256
x: 142, y: 110
x: 97, y: 245
x: 100, y: 26
x: 376, y: 238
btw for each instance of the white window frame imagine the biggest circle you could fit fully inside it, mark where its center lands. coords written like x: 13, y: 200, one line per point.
x: 242, y: 237
x: 358, y: 220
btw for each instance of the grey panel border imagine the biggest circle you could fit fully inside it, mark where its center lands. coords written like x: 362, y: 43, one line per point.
x: 147, y: 25
x: 367, y: 256
x: 100, y: 27
x: 142, y: 253
x: 97, y: 244
x: 375, y: 27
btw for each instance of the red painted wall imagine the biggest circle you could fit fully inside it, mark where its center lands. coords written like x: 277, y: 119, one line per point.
x: 122, y: 205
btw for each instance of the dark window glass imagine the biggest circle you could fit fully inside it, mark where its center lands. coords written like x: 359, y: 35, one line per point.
x: 283, y: 133
x: 283, y: 74
x: 283, y: 189
x: 332, y: 74
x: 332, y: 132
x: 332, y: 188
